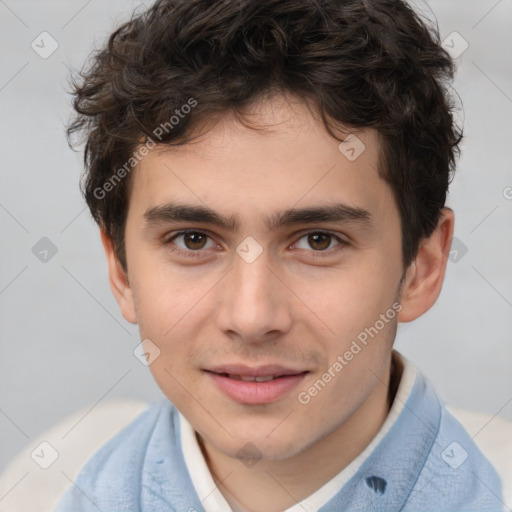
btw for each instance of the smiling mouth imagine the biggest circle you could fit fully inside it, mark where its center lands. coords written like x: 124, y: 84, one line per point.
x: 249, y: 378
x: 265, y: 388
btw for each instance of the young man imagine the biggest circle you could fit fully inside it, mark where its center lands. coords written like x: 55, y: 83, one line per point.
x: 269, y: 178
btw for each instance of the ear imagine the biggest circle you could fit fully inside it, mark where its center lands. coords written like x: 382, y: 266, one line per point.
x: 118, y: 279
x: 424, y: 277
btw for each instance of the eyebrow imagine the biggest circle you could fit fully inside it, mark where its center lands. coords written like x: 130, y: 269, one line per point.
x: 176, y: 212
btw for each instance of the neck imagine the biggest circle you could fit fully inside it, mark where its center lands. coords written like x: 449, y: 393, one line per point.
x: 275, y: 485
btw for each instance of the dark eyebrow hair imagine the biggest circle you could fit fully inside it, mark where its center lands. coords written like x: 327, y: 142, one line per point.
x: 175, y: 212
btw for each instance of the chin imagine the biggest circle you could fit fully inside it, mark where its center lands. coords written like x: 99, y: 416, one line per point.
x: 264, y: 447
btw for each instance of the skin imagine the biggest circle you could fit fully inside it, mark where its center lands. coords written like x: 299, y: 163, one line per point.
x: 300, y: 304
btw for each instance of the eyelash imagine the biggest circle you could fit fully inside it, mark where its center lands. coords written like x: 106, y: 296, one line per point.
x: 198, y: 253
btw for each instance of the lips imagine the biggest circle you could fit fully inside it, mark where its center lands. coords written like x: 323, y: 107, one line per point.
x: 271, y: 370
x: 255, y: 385
x: 248, y: 378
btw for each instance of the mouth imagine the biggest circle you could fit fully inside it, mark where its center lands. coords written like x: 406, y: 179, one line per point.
x: 248, y: 378
x: 254, y: 386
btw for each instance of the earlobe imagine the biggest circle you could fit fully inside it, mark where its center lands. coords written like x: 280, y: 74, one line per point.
x: 118, y: 279
x: 425, y: 276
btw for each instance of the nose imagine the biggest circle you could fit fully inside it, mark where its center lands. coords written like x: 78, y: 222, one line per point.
x: 255, y: 305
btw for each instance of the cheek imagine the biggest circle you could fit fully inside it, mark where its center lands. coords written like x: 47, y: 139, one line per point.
x: 348, y: 302
x: 165, y: 297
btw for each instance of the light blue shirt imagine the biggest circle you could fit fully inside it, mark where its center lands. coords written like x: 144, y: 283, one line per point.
x: 425, y: 462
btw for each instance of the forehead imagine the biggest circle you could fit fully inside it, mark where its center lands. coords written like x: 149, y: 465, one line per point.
x: 289, y: 160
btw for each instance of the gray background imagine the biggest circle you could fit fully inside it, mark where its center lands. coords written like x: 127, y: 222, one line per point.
x: 64, y: 343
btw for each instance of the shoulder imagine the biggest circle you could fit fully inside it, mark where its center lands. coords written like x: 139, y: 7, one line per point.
x: 455, y: 474
x: 112, y: 476
x: 128, y: 445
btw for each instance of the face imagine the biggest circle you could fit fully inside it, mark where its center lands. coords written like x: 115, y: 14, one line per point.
x: 265, y: 254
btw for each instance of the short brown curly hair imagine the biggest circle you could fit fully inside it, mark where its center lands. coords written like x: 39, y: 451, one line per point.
x: 363, y: 63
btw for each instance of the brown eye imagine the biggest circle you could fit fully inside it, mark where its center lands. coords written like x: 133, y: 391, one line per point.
x: 194, y: 240
x: 319, y: 241
x: 190, y: 241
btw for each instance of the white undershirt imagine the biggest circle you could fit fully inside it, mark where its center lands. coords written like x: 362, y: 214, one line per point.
x: 214, y: 501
